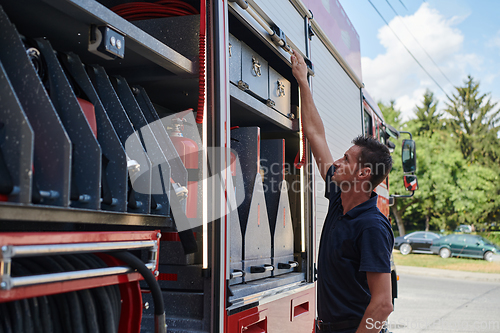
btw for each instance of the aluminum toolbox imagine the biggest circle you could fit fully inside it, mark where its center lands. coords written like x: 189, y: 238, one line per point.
x: 254, y: 72
x: 234, y: 59
x: 279, y: 92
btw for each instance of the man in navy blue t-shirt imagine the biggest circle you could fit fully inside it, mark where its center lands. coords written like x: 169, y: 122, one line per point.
x: 354, y: 271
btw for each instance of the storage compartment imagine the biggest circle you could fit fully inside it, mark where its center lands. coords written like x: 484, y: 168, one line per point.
x: 271, y: 91
x: 91, y: 141
x: 265, y: 137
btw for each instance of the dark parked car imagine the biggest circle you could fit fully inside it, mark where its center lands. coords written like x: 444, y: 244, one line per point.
x: 471, y: 246
x: 417, y: 242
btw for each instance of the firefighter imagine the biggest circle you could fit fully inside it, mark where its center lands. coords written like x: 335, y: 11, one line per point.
x: 354, y: 270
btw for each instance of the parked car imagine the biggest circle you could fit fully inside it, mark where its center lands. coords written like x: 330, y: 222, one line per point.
x: 464, y: 228
x: 417, y: 242
x: 471, y: 246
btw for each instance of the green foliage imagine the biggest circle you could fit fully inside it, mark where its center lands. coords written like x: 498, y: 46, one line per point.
x: 429, y: 120
x: 475, y: 123
x: 457, y: 162
x: 492, y: 236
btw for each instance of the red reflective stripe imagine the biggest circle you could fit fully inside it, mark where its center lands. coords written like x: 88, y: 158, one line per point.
x: 258, y: 214
x: 167, y: 277
x: 284, y: 216
x: 171, y: 237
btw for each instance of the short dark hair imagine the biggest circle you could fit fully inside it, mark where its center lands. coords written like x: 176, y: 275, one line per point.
x: 376, y: 156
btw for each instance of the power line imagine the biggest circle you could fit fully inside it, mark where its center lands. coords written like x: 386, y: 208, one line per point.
x: 403, y: 4
x: 382, y: 17
x: 416, y: 40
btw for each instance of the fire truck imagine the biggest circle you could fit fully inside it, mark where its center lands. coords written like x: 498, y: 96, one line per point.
x: 153, y: 171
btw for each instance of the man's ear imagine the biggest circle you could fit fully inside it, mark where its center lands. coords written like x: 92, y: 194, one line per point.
x: 365, y: 172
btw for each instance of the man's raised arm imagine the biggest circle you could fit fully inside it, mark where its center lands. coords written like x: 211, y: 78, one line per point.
x: 311, y: 121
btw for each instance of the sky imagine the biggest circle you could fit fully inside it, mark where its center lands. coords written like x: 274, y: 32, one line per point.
x: 461, y: 36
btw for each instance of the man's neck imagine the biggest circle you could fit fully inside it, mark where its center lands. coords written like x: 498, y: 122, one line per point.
x: 351, y: 199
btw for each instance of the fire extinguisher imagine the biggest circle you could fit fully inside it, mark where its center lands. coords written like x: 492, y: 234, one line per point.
x: 188, y: 153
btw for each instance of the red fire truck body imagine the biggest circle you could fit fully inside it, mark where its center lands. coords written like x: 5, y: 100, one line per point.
x: 153, y: 168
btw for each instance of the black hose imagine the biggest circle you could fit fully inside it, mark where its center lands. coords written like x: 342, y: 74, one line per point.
x: 27, y: 317
x: 114, y: 292
x: 89, y: 309
x: 45, y: 316
x: 35, y: 314
x: 15, y: 315
x: 6, y: 323
x: 20, y: 319
x: 54, y: 314
x: 74, y: 302
x: 106, y: 313
x: 137, y: 263
x: 93, y: 292
x: 43, y: 302
x: 62, y: 301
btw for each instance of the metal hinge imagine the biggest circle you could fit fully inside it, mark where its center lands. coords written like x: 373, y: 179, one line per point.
x: 242, y: 85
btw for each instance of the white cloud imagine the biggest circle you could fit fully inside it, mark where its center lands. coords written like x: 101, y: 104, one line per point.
x: 494, y: 42
x: 395, y: 75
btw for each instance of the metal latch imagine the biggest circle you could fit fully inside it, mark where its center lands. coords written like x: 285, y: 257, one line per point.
x: 242, y: 85
x: 279, y: 38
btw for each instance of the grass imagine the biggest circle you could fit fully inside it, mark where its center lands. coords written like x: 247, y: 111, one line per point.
x: 456, y: 264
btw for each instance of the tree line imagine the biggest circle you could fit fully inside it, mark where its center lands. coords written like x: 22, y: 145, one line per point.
x: 458, y: 162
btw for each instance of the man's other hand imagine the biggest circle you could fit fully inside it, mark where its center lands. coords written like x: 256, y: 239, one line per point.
x: 299, y: 68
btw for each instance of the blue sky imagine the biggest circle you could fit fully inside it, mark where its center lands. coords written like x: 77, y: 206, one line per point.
x: 461, y: 36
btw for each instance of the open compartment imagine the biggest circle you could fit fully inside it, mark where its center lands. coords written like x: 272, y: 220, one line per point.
x: 119, y: 124
x: 265, y: 138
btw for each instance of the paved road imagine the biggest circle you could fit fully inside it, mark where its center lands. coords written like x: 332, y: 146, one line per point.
x: 444, y: 305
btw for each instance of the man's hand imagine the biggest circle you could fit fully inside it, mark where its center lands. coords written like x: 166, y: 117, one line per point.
x: 380, y: 306
x: 311, y: 121
x: 299, y: 68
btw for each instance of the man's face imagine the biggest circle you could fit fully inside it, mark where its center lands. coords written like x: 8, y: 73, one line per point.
x: 347, y: 167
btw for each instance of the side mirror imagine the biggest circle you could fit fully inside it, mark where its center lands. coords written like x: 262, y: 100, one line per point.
x: 409, y: 156
x: 390, y: 145
x: 410, y: 182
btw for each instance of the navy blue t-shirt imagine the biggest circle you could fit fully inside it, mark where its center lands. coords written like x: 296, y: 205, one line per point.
x: 352, y: 244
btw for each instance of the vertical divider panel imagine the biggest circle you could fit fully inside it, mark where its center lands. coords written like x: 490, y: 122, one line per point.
x: 114, y: 170
x: 178, y: 170
x: 16, y: 142
x: 52, y: 151
x: 160, y: 171
x: 86, y: 152
x: 128, y: 138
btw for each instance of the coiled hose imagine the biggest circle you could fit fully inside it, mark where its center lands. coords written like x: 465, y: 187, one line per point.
x: 94, y: 310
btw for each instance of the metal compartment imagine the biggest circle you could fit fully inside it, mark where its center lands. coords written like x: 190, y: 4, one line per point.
x: 280, y: 93
x: 234, y: 59
x: 254, y: 72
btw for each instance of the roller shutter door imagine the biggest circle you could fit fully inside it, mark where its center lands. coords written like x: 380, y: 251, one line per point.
x: 338, y: 101
x: 285, y: 16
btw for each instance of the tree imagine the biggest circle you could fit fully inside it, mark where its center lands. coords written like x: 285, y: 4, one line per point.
x: 476, y: 123
x: 392, y: 116
x: 428, y: 118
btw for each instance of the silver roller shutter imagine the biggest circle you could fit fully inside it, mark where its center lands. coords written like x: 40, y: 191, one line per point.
x: 338, y: 101
x: 285, y: 16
